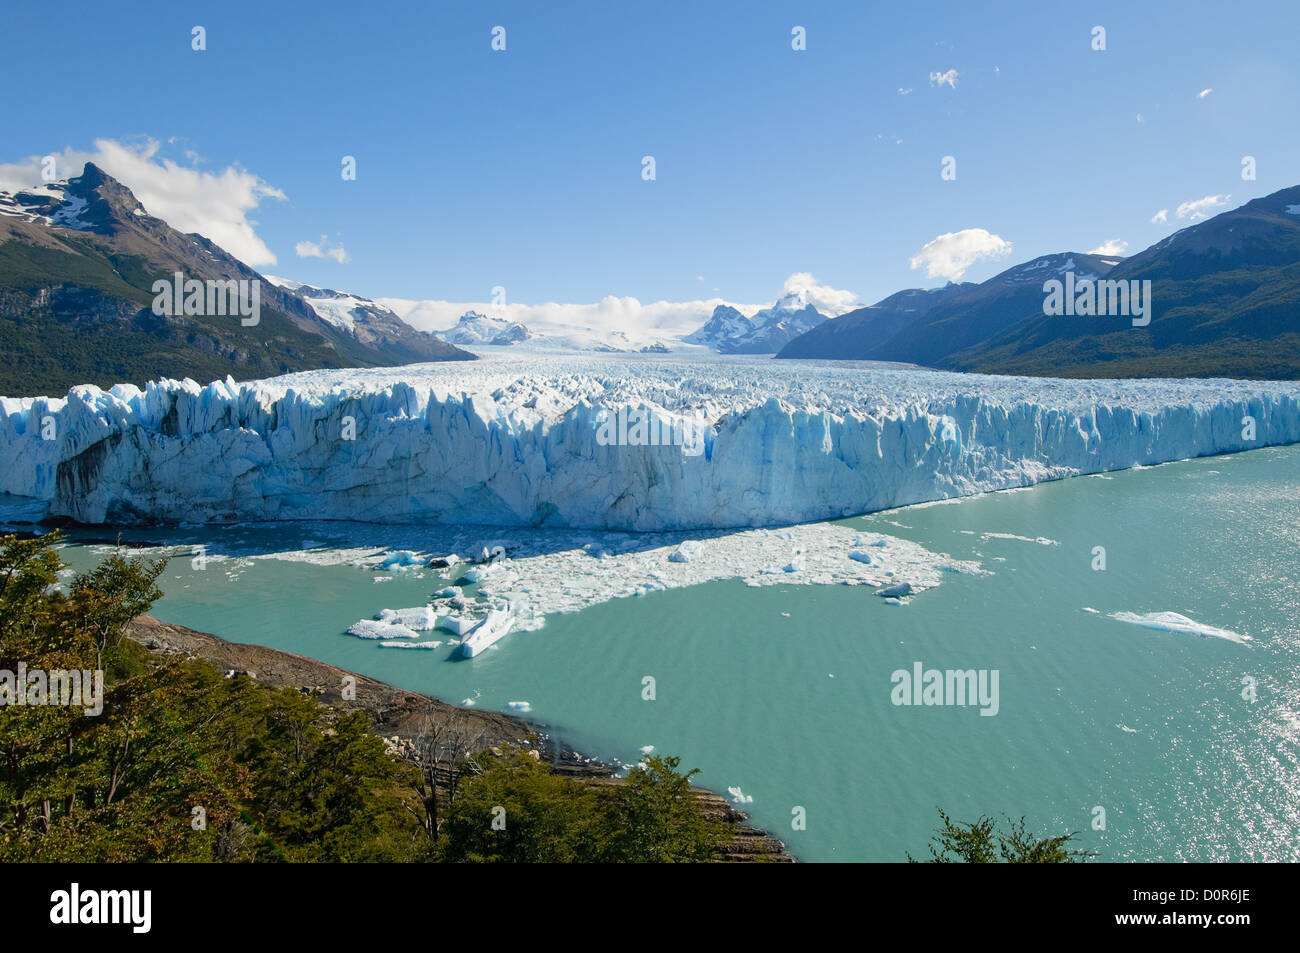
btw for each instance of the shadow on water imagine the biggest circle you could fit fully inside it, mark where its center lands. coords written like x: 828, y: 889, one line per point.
x: 248, y: 539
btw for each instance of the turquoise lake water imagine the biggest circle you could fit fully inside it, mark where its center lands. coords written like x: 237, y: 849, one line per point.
x: 1149, y: 725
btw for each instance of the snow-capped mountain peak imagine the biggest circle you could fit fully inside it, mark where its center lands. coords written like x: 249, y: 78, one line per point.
x: 764, y: 332
x: 476, y: 328
x: 794, y: 301
x: 86, y: 202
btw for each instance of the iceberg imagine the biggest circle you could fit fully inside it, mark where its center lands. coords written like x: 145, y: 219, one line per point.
x: 1176, y: 622
x: 494, y: 626
x: 689, y: 549
x: 370, y: 629
x: 457, y: 625
x: 420, y: 618
x: 895, y: 591
x: 400, y: 560
x: 511, y: 441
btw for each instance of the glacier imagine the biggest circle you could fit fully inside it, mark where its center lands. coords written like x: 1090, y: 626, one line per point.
x: 512, y: 441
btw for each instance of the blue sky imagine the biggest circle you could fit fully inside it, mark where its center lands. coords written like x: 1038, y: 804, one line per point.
x: 523, y: 168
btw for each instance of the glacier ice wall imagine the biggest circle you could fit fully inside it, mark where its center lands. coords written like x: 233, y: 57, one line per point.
x: 514, y: 442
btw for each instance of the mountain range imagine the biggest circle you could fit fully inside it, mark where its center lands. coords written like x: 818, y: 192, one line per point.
x: 1225, y: 302
x: 78, y: 261
x: 766, y: 332
x: 79, y: 258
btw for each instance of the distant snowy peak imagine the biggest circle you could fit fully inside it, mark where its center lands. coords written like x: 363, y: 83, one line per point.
x: 794, y: 301
x: 725, y: 325
x: 769, y: 330
x: 476, y: 328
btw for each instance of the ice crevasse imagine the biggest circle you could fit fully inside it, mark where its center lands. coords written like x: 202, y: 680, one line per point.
x: 524, y: 442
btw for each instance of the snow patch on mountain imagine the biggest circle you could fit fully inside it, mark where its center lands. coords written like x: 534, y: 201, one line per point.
x: 344, y: 310
x: 47, y: 204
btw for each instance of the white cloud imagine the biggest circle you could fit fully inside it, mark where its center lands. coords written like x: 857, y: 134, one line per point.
x: 1203, y: 93
x: 1161, y: 217
x: 904, y: 92
x: 214, y: 204
x: 322, y: 249
x: 582, y: 323
x: 824, y: 298
x: 1111, y: 248
x: 950, y: 255
x: 1196, y: 208
x: 603, y: 320
x: 1140, y: 119
x: 941, y: 79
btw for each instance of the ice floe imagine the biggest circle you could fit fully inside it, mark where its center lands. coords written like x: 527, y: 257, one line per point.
x: 1174, y: 622
x: 558, y: 571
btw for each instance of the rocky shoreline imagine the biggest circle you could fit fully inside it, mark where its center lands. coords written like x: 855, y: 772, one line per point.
x: 400, y: 716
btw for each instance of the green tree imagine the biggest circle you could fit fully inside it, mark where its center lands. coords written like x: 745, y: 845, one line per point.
x: 655, y: 817
x: 979, y: 842
x: 514, y: 810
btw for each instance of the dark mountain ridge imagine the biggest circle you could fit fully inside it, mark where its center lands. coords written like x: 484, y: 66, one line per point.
x: 1225, y: 302
x: 78, y: 261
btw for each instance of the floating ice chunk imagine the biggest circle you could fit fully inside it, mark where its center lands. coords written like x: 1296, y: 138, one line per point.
x: 798, y: 564
x: 739, y: 797
x: 443, y: 562
x: 496, y: 624
x: 688, y: 550
x: 420, y: 618
x: 411, y: 645
x: 860, y: 556
x: 893, y: 592
x: 402, y: 559
x: 457, y: 624
x: 1174, y: 622
x: 372, y: 629
x: 1040, y: 540
x: 477, y: 574
x: 646, y: 749
x: 451, y: 592
x: 520, y: 706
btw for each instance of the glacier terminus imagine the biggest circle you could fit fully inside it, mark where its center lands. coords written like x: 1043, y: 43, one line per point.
x: 512, y: 441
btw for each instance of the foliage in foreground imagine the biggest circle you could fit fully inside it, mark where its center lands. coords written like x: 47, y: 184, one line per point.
x: 980, y: 842
x: 185, y: 765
